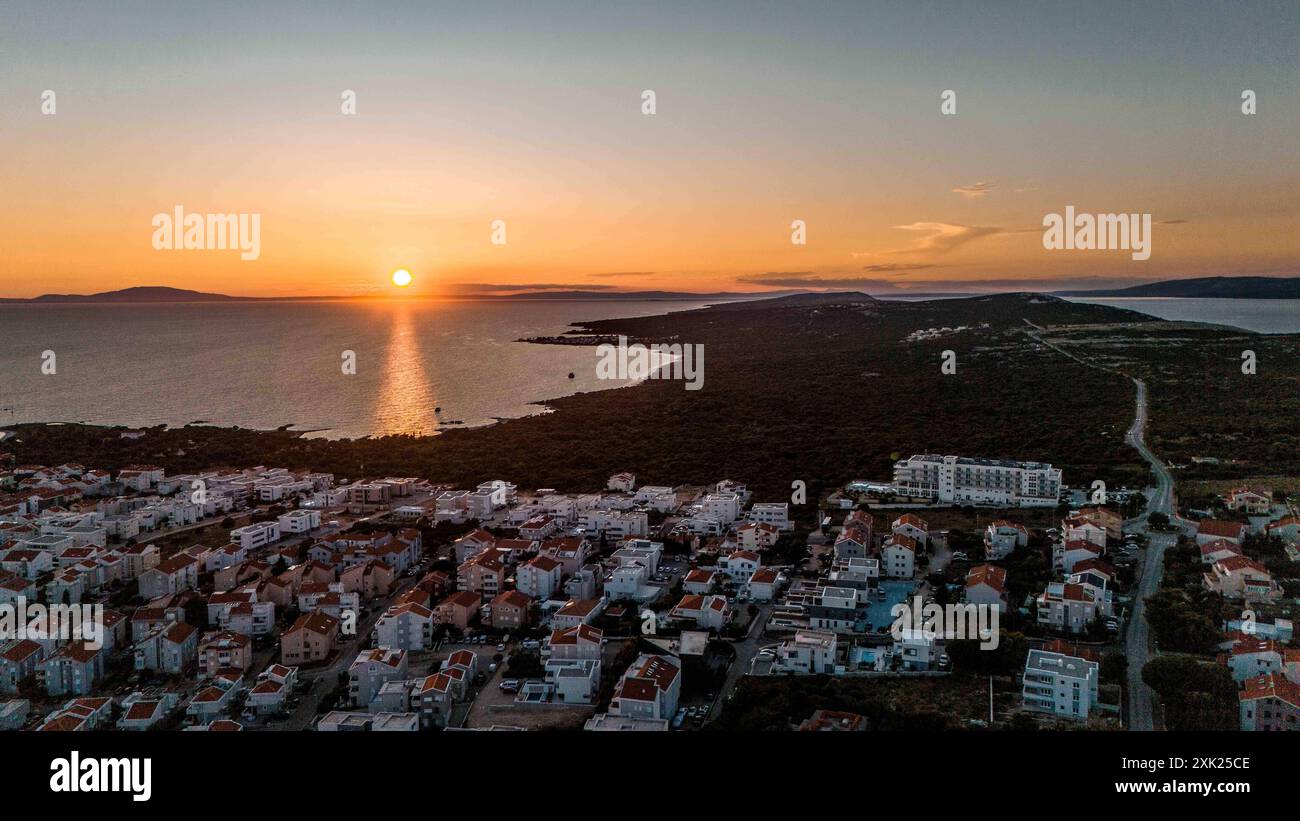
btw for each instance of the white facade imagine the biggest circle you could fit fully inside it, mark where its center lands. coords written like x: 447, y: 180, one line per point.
x: 723, y: 507
x: 299, y: 521
x: 1059, y: 684
x: 963, y: 480
x: 258, y: 535
x: 776, y: 514
x: 810, y: 651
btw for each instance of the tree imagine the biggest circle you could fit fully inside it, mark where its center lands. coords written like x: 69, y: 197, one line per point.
x: 1197, y: 695
x: 1113, y: 666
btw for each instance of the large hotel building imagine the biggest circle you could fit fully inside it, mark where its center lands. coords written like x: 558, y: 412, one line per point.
x: 962, y: 480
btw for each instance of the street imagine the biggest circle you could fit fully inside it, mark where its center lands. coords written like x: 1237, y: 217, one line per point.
x: 1137, y: 641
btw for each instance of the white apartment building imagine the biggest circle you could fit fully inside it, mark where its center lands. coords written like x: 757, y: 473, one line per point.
x: 964, y: 480
x: 257, y: 535
x: 640, y: 550
x: 809, y: 652
x: 405, y: 627
x: 503, y: 493
x: 617, y: 524
x: 898, y: 557
x: 539, y: 578
x: 1059, y: 684
x: 724, y: 507
x: 1068, y: 607
x: 1001, y: 538
x: 776, y: 514
x: 299, y: 521
x: 452, y: 506
x: 625, y: 482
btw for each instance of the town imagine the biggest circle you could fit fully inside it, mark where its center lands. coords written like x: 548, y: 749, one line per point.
x: 262, y: 598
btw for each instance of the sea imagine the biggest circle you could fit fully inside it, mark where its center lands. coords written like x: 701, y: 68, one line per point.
x: 1266, y: 316
x: 421, y: 367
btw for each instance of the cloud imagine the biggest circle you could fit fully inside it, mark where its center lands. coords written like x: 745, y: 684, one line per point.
x: 975, y: 190
x: 942, y: 237
x: 884, y: 287
x: 897, y: 268
x: 1171, y: 222
x: 606, y: 274
x: 807, y: 279
x: 489, y: 288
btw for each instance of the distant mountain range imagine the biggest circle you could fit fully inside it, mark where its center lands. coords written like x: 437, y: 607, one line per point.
x: 1201, y: 287
x: 158, y: 293
x: 1205, y: 287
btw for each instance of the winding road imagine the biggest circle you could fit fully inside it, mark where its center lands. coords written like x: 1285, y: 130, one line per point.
x: 1137, y: 639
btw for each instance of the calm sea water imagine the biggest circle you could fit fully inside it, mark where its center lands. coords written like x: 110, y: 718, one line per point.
x: 1269, y: 316
x: 263, y: 365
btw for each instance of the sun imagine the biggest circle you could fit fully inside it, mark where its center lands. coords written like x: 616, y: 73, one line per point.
x: 401, y: 277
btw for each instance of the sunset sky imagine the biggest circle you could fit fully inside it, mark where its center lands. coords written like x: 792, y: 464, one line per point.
x: 531, y: 113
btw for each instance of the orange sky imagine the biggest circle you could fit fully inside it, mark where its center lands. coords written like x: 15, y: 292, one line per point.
x: 452, y: 133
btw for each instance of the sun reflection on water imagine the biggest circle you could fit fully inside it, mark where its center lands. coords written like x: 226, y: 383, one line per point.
x: 405, y: 403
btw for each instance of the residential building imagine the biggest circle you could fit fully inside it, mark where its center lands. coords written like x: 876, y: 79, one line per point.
x: 649, y: 689
x: 580, y: 642
x: 1059, y: 684
x: 1269, y: 702
x: 370, y: 670
x: 405, y: 627
x: 1254, y: 501
x: 963, y: 480
x: 913, y: 527
x: 705, y: 612
x: 310, y: 639
x: 807, y: 652
x: 1001, y: 538
x: 1238, y: 577
x: 458, y: 609
x: 539, y: 577
x: 1209, y: 530
x: 1068, y: 607
x: 898, y: 557
x: 986, y: 584
x: 510, y: 610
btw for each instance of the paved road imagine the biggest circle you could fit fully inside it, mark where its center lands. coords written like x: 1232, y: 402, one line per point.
x: 1137, y: 641
x: 746, y: 649
x: 347, y: 653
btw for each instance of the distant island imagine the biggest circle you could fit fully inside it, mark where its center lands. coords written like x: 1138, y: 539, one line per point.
x: 1205, y: 288
x: 160, y: 293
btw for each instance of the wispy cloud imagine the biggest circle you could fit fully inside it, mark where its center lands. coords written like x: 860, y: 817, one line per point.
x: 488, y: 287
x: 886, y: 287
x: 974, y: 190
x: 898, y: 268
x: 942, y: 237
x: 608, y: 274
